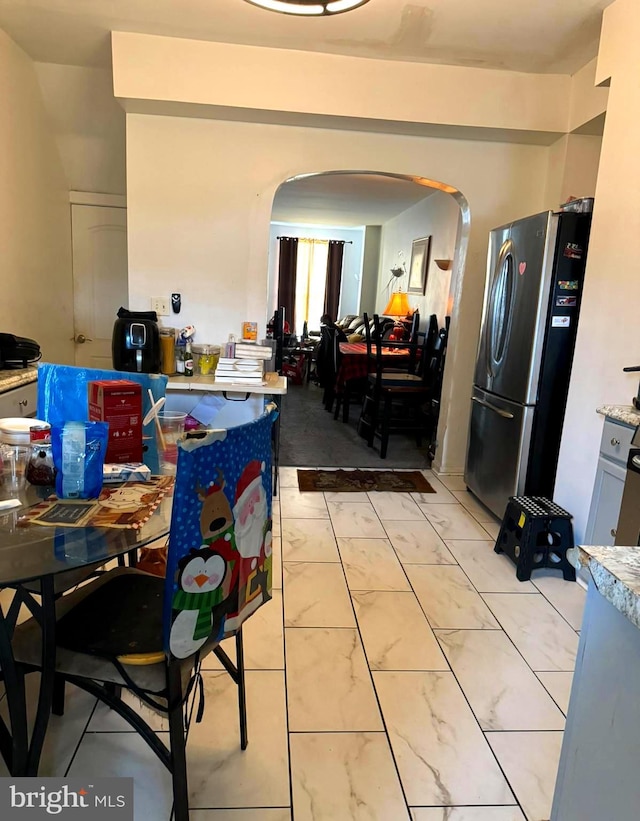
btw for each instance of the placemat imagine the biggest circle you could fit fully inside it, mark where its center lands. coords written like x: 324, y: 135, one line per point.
x: 127, y: 506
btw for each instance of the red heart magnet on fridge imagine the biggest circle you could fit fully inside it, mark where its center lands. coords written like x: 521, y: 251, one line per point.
x: 522, y: 268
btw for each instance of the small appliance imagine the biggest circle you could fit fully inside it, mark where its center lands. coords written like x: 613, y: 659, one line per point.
x: 18, y: 351
x: 135, y: 345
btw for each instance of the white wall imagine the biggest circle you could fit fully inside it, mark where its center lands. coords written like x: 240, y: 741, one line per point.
x: 608, y: 332
x: 394, y: 93
x: 89, y: 126
x: 370, y: 268
x: 351, y: 264
x: 438, y: 217
x: 573, y: 168
x: 35, y: 227
x: 199, y: 206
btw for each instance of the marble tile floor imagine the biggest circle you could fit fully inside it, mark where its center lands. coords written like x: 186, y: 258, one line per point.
x: 400, y: 672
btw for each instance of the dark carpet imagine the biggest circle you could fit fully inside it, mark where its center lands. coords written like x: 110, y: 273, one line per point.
x: 406, y: 481
x: 310, y: 437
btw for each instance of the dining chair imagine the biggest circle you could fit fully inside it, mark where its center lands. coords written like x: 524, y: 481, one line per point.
x: 346, y: 390
x: 134, y: 630
x: 396, y: 397
x: 326, y: 363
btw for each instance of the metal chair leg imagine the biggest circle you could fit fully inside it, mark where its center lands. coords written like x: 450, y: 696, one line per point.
x: 384, y: 427
x: 178, y: 744
x: 57, y: 705
x: 47, y: 667
x: 114, y: 689
x: 242, y: 693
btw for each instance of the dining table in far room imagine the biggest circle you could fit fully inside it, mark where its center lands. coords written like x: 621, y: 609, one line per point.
x: 356, y: 364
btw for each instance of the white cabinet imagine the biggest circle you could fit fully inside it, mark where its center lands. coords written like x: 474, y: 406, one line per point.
x: 19, y: 401
x: 606, y: 499
x: 609, y: 483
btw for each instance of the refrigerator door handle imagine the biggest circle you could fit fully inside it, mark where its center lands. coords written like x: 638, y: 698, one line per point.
x: 505, y: 414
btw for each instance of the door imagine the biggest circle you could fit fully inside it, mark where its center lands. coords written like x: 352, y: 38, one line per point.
x: 511, y: 338
x: 499, y: 436
x: 100, y: 279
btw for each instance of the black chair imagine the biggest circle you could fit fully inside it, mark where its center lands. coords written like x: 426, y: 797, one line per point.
x: 278, y: 335
x: 396, y: 399
x: 148, y: 634
x: 349, y: 389
x: 326, y: 362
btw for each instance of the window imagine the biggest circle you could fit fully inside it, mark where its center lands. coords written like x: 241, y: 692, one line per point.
x: 311, y: 279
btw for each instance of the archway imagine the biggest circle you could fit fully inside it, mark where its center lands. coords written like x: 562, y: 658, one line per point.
x: 317, y: 203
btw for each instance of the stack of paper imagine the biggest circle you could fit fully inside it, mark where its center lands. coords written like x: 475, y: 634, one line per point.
x: 240, y: 371
x: 247, y: 350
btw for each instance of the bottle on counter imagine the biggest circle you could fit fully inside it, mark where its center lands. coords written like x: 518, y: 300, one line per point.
x: 180, y: 357
x: 188, y: 360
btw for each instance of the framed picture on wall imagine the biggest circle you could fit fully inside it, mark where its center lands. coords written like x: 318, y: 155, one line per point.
x: 419, y: 263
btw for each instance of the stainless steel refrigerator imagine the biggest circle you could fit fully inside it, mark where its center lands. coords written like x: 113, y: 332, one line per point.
x: 535, y: 273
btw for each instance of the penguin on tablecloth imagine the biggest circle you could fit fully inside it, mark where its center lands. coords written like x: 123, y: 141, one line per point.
x: 200, y: 588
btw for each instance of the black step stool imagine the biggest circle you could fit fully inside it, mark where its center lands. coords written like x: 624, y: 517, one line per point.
x: 535, y: 532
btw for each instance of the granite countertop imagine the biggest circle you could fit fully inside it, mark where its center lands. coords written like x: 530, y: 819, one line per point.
x: 16, y: 377
x: 621, y: 413
x: 616, y: 574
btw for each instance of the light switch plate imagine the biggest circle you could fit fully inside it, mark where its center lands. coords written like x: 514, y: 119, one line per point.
x: 160, y: 304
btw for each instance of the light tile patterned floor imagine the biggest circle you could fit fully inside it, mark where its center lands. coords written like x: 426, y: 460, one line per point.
x: 403, y: 673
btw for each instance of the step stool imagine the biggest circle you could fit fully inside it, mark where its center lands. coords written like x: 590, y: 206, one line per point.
x: 535, y: 532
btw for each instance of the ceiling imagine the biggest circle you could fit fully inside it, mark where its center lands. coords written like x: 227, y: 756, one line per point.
x: 345, y: 199
x: 521, y: 35
x: 543, y: 36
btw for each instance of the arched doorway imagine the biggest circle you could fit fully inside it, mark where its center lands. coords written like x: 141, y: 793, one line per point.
x: 384, y: 213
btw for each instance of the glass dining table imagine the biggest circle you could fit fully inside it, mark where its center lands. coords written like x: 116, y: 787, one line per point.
x: 33, y: 562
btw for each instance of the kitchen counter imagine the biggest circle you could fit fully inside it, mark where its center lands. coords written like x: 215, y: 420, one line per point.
x: 616, y: 574
x: 626, y: 414
x: 272, y: 385
x: 597, y: 774
x: 16, y: 377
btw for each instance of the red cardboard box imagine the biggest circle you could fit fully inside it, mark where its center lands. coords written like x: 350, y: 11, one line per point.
x: 118, y: 402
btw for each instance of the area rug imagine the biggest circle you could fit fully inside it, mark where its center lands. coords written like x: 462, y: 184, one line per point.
x: 340, y: 481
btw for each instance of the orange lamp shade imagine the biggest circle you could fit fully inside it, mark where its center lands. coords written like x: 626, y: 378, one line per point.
x: 398, y: 305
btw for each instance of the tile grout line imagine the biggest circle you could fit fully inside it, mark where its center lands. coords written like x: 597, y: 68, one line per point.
x: 284, y: 672
x: 371, y: 679
x: 81, y: 739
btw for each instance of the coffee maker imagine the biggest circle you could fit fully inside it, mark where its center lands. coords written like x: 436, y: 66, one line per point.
x: 135, y: 345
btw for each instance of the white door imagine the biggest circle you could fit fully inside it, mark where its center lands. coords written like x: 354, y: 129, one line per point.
x: 100, y: 279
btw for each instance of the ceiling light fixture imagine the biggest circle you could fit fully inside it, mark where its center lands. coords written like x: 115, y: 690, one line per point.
x: 309, y: 8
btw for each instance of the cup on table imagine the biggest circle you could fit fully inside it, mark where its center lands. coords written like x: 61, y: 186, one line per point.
x: 14, y: 468
x: 172, y: 427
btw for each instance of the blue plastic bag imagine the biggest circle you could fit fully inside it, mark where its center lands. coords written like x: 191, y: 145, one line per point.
x: 78, y: 454
x: 62, y: 397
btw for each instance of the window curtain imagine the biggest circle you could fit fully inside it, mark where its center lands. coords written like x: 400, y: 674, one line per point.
x: 334, y: 278
x: 310, y: 282
x: 287, y: 266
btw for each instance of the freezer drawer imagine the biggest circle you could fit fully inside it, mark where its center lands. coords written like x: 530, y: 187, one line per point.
x: 499, y: 436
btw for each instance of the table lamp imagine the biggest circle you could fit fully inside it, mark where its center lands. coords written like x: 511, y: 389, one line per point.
x: 398, y: 306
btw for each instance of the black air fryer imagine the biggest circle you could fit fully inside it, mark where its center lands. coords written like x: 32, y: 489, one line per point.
x: 135, y: 346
